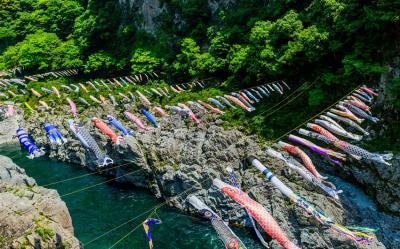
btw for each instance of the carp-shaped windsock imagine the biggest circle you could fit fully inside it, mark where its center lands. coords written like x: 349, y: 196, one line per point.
x: 160, y: 111
x: 349, y: 148
x: 258, y: 212
x: 294, y: 165
x: 238, y: 102
x: 56, y: 92
x: 359, y: 112
x: 149, y: 117
x: 368, y: 90
x: 89, y: 143
x: 83, y: 101
x: 211, y: 108
x: 107, y: 130
x: 216, y: 102
x: 337, y: 129
x: 357, y: 102
x: 72, y: 105
x: 28, y: 145
x: 226, y: 102
x: 356, y: 236
x: 227, y: 236
x: 118, y: 125
x: 136, y: 120
x: 329, y: 154
x: 36, y: 93
x: 308, y: 163
x: 143, y: 99
x: 348, y: 121
x: 54, y: 134
x: 191, y: 114
x: 345, y: 112
x: 250, y: 95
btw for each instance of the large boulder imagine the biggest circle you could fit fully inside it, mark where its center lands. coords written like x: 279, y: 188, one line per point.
x: 31, y: 216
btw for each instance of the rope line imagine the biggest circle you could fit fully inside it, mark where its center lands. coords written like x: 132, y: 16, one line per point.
x: 289, y: 96
x: 100, y: 183
x: 152, y: 210
x: 88, y: 174
x: 287, y: 103
x: 316, y: 115
x: 125, y: 236
x: 135, y: 228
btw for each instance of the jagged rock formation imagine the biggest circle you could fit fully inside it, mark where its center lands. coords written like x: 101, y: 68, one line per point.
x: 8, y: 126
x: 147, y: 13
x: 184, y: 157
x: 31, y: 216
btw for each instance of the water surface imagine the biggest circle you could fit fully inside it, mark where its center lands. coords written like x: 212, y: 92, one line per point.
x: 97, y: 210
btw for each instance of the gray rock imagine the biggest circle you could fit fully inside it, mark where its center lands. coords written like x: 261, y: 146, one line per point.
x: 182, y: 159
x: 31, y: 215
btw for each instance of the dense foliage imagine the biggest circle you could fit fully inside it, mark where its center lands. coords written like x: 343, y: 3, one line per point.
x: 335, y: 44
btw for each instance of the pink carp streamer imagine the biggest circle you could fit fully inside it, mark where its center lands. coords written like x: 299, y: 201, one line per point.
x: 191, y: 114
x: 368, y: 90
x: 238, y: 102
x: 36, y: 93
x: 143, y: 98
x: 210, y: 107
x: 246, y: 98
x: 10, y: 110
x: 321, y: 130
x: 107, y: 130
x: 136, y: 120
x: 160, y: 111
x: 356, y: 102
x: 74, y: 111
x: 294, y: 150
x: 258, y: 212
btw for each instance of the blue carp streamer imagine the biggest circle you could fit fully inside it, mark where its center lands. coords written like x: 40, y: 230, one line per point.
x: 28, y: 145
x: 118, y: 125
x: 54, y: 134
x: 146, y: 225
x: 149, y: 117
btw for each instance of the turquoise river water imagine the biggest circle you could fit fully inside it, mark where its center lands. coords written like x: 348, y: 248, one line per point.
x: 96, y: 211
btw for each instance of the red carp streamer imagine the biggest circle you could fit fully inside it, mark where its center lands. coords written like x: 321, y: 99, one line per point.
x: 294, y: 150
x: 258, y: 212
x: 107, y: 130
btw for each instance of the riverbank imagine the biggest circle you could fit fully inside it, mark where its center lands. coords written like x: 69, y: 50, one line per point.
x: 181, y: 159
x: 31, y: 216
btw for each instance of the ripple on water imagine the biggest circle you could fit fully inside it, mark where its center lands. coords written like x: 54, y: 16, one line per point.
x: 97, y: 210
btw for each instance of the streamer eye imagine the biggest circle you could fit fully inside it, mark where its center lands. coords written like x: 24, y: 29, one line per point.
x: 208, y: 214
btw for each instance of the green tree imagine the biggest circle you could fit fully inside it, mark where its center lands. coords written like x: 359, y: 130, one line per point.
x: 101, y: 62
x: 37, y: 51
x: 144, y: 61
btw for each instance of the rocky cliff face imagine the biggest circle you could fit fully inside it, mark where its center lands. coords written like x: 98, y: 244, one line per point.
x: 8, y: 126
x: 181, y: 159
x: 31, y: 216
x: 146, y: 13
